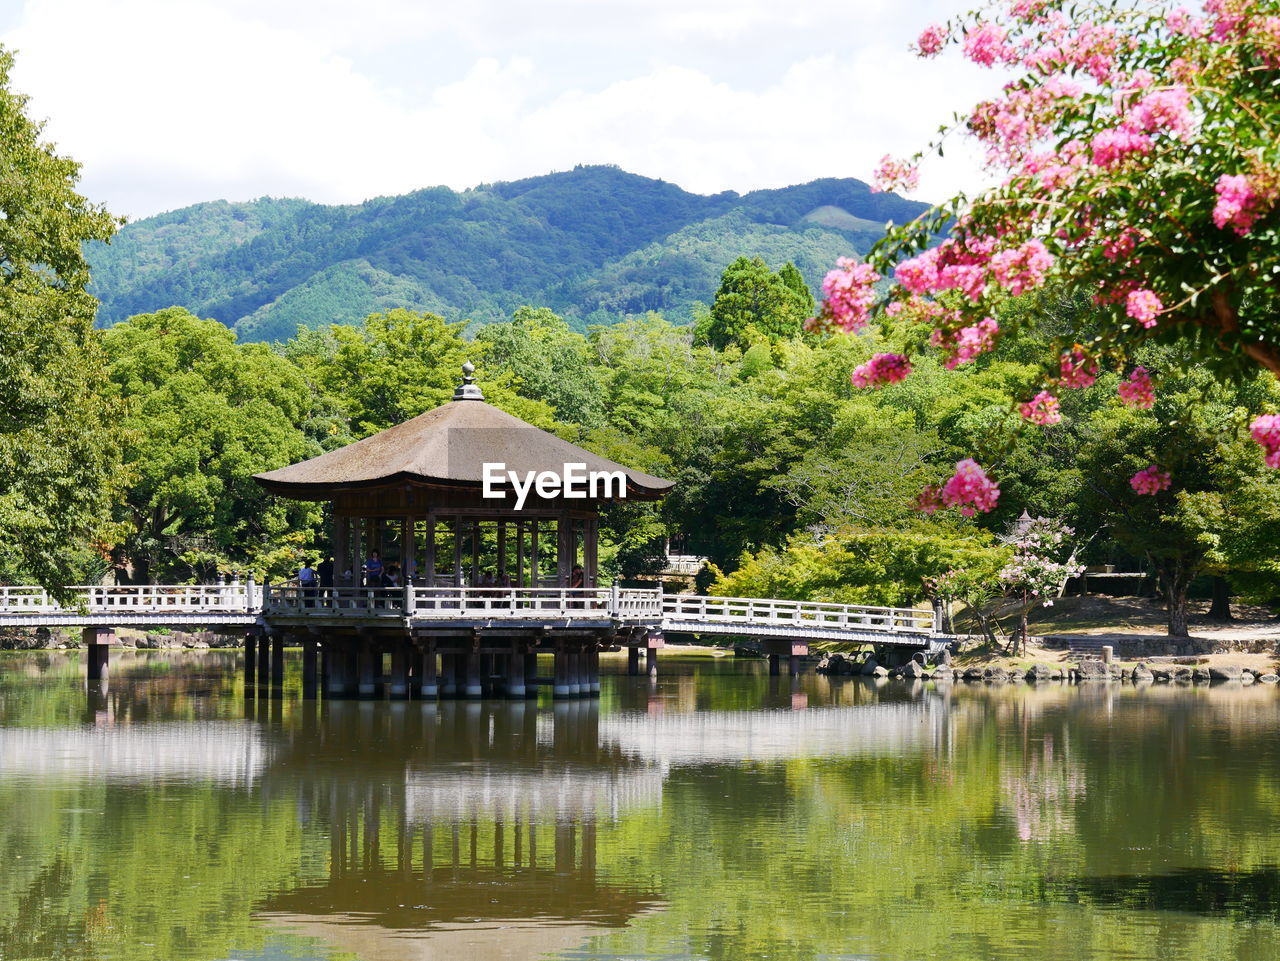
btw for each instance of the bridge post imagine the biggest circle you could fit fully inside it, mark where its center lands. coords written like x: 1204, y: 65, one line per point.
x: 651, y: 661
x: 97, y: 640
x: 531, y: 673
x: 794, y: 665
x: 264, y: 664
x: 448, y: 676
x: 633, y: 661
x: 335, y: 680
x: 474, y: 687
x: 368, y: 670
x: 774, y: 670
x: 515, y: 673
x: 593, y: 662
x: 310, y: 672
x: 574, y: 679
x: 250, y: 663
x: 277, y: 665
x: 560, y: 687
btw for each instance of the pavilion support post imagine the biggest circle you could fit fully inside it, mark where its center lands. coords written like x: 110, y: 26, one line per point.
x: 560, y: 687
x: 774, y: 665
x: 399, y: 688
x: 474, y: 689
x: 250, y: 664
x: 531, y: 673
x: 594, y: 663
x: 335, y: 682
x: 574, y: 679
x: 310, y: 669
x: 448, y: 678
x: 430, y: 686
x: 633, y: 661
x: 416, y: 657
x: 277, y: 665
x: 97, y: 642
x: 370, y: 670
x: 515, y: 673
x: 651, y: 661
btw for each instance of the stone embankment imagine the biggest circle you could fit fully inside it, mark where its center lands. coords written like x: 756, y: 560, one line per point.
x: 1167, y: 670
x: 54, y: 639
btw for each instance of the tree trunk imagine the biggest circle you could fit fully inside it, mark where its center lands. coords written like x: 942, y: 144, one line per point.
x: 1220, y: 610
x: 1175, y: 580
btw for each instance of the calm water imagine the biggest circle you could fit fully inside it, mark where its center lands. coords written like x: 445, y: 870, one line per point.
x: 719, y: 814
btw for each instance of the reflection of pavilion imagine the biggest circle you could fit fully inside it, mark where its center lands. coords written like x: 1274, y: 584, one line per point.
x: 471, y: 832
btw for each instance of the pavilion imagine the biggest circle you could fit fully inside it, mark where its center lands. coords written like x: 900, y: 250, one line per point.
x: 465, y: 497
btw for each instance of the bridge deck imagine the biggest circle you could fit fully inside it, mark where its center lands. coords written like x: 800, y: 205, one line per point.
x: 452, y: 608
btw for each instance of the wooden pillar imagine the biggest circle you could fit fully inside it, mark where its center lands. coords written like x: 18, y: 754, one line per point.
x: 430, y: 686
x: 474, y: 688
x: 651, y: 661
x: 794, y: 665
x: 773, y: 665
x: 429, y: 572
x: 593, y: 666
x: 250, y: 664
x: 515, y: 673
x: 448, y: 675
x: 336, y: 672
x: 369, y: 669
x: 341, y: 548
x: 277, y: 665
x: 399, y: 690
x: 560, y: 687
x: 264, y: 663
x: 533, y: 554
x: 310, y: 672
x: 633, y: 661
x: 519, y: 578
x: 531, y: 674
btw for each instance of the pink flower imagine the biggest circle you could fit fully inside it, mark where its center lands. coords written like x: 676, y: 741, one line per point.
x: 931, y: 39
x: 850, y: 292
x: 1143, y: 306
x: 1167, y: 109
x: 1043, y: 409
x: 1182, y: 23
x: 1022, y: 268
x: 1076, y: 369
x: 894, y: 175
x: 929, y: 500
x: 1137, y: 390
x: 967, y: 343
x: 984, y: 45
x: 1110, y: 147
x: 880, y: 370
x: 970, y: 489
x: 1266, y: 431
x: 1238, y: 204
x: 1150, y: 480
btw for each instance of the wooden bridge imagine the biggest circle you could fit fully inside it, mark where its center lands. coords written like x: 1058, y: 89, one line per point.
x: 468, y: 619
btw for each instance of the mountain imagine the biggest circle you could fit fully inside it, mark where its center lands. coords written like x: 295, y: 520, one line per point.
x: 594, y: 244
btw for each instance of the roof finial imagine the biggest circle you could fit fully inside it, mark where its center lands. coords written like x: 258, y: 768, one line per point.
x: 468, y: 390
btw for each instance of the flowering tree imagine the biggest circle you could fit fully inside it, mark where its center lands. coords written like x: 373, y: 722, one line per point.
x: 1034, y: 575
x: 1139, y: 153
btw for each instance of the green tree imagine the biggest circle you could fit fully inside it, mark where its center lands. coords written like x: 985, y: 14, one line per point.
x: 58, y: 442
x: 204, y: 415
x: 753, y: 301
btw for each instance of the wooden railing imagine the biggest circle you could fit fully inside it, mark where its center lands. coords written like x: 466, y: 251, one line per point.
x: 754, y: 610
x: 129, y: 599
x: 456, y: 602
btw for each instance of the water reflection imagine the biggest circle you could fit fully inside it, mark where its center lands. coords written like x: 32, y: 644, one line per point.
x: 716, y: 813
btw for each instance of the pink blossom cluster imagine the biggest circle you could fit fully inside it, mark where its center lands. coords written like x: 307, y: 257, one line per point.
x: 1265, y: 429
x: 966, y: 343
x: 1168, y: 109
x: 1150, y: 480
x: 1230, y: 17
x: 1022, y: 268
x: 929, y: 500
x: 880, y: 370
x: 985, y: 45
x: 949, y: 266
x: 894, y: 175
x: 970, y: 489
x: 1143, y: 306
x: 1043, y: 409
x: 1181, y: 23
x: 850, y: 294
x: 1137, y: 390
x: 931, y: 40
x: 1085, y: 47
x: 1238, y: 206
x: 1012, y: 124
x: 1075, y: 369
x: 1122, y: 244
x: 1115, y: 144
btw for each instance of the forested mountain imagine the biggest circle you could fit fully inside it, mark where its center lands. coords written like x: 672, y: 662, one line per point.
x: 594, y: 243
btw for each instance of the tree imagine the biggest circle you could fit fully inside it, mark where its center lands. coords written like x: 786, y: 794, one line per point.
x: 753, y: 299
x: 59, y: 446
x: 1136, y: 160
x: 204, y: 414
x: 1036, y: 572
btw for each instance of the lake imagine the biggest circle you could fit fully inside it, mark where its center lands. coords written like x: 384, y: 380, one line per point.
x: 715, y: 814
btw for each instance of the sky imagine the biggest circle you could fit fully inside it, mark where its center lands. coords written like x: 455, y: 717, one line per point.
x: 167, y: 103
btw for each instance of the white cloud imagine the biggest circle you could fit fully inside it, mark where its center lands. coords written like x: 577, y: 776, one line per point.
x: 169, y: 103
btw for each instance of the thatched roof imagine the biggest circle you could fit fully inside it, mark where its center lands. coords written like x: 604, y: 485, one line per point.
x: 448, y: 447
